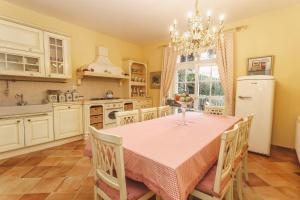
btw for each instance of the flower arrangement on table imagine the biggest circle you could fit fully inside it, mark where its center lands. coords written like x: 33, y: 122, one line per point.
x: 184, y: 100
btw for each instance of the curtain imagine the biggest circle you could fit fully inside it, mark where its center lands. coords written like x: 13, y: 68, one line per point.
x: 225, y: 64
x: 167, y: 73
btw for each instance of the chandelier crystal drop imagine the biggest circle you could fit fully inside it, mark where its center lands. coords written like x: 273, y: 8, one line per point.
x: 202, y: 33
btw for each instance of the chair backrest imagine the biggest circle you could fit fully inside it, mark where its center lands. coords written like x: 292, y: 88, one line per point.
x: 249, y: 119
x: 148, y: 114
x: 108, y: 160
x: 127, y: 117
x: 226, y: 158
x: 163, y: 111
x: 214, y: 110
x: 243, y: 127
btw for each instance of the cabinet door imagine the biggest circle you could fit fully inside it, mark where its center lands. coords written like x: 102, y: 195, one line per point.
x: 19, y: 37
x: 18, y: 63
x: 11, y: 134
x: 57, y: 56
x: 38, y: 129
x: 67, y: 121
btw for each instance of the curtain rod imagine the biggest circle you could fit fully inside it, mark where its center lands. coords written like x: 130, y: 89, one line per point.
x: 235, y: 29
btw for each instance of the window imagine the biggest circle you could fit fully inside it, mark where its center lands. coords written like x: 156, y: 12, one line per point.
x: 198, y: 75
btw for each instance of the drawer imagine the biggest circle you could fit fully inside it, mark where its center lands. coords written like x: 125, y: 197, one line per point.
x: 128, y: 107
x: 98, y: 125
x: 96, y: 119
x: 96, y: 110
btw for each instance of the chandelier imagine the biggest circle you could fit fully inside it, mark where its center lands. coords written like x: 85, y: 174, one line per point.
x: 202, y: 33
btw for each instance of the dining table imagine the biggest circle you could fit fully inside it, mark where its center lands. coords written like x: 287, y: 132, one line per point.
x: 168, y: 156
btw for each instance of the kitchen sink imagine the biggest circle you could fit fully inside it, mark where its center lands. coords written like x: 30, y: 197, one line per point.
x: 25, y: 109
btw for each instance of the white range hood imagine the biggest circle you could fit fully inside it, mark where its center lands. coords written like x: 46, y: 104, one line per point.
x: 102, y: 64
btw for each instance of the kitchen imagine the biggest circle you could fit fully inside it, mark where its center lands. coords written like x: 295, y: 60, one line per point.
x: 46, y: 103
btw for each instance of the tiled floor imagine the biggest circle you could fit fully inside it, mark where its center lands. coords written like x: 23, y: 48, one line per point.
x: 63, y: 173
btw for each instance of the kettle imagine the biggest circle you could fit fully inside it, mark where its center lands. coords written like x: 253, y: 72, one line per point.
x: 109, y: 94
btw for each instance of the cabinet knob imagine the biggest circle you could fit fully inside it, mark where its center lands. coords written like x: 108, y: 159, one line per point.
x: 69, y: 107
x: 29, y: 120
x: 18, y: 121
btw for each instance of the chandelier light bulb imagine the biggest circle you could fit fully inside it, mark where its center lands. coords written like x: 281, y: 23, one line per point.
x: 222, y: 17
x: 171, y: 28
x: 209, y: 13
x: 175, y: 22
x: 189, y: 14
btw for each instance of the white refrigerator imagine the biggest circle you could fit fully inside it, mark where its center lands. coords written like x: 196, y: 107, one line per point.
x: 255, y: 95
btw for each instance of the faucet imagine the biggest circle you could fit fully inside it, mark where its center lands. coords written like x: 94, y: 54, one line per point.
x: 20, y: 100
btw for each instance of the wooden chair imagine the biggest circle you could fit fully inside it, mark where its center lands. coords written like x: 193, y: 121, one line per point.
x: 239, y: 153
x: 110, y: 180
x: 127, y: 117
x: 245, y: 148
x: 214, y: 110
x: 148, y: 114
x: 163, y: 111
x: 218, y: 182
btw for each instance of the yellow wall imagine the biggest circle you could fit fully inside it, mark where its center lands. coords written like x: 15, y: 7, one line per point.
x: 83, y: 49
x: 274, y: 33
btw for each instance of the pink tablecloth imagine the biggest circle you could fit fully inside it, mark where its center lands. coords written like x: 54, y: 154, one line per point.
x: 170, y: 158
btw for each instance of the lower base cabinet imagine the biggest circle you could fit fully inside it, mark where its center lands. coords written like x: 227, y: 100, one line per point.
x: 67, y: 121
x: 38, y: 129
x: 11, y: 134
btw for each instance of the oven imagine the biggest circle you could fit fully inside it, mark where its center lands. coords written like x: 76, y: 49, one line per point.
x: 109, y: 111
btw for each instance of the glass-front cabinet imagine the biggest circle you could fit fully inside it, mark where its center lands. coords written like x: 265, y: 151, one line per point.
x: 13, y: 62
x: 57, y: 60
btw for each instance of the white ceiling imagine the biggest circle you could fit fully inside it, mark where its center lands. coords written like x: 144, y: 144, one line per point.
x: 143, y: 21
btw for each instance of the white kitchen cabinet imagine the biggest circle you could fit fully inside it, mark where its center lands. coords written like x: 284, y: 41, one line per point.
x: 19, y: 37
x: 11, y: 134
x: 67, y: 121
x: 57, y: 56
x: 21, y: 63
x: 143, y: 103
x: 38, y: 129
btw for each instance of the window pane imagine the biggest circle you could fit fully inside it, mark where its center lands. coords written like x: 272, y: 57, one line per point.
x: 202, y: 102
x: 181, y: 74
x: 181, y: 88
x: 218, y: 101
x: 209, y: 54
x: 190, y: 75
x: 215, y: 73
x: 204, y: 88
x: 190, y: 87
x: 204, y: 73
x: 216, y: 89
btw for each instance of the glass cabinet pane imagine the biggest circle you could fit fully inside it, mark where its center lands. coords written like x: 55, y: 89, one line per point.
x: 52, y: 53
x: 15, y: 67
x: 32, y: 61
x: 52, y: 41
x: 2, y: 57
x: 32, y: 68
x: 14, y: 58
x: 60, y: 54
x: 53, y: 67
x: 60, y: 68
x: 2, y: 66
x: 59, y: 42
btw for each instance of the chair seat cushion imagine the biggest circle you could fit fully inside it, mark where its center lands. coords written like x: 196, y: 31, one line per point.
x: 135, y: 190
x: 206, y: 185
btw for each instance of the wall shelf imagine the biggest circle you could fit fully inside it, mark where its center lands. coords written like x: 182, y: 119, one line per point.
x: 86, y: 74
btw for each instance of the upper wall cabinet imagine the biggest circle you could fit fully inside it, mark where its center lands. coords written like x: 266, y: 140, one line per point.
x: 57, y: 56
x: 19, y: 37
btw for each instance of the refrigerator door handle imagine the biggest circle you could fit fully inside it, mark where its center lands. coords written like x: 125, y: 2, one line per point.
x: 245, y: 97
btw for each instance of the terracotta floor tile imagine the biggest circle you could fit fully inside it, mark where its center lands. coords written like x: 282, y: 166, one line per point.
x: 270, y: 193
x: 290, y: 192
x: 273, y: 179
x: 84, y: 196
x: 79, y: 171
x: 38, y: 171
x: 84, y: 162
x: 10, y: 197
x: 61, y: 196
x: 41, y: 196
x: 51, y: 161
x: 47, y: 185
x: 87, y: 185
x: 70, y: 184
x: 69, y: 161
x: 3, y: 169
x: 12, y: 162
x: 18, y: 171
x: 58, y: 171
x: 31, y: 161
x: 18, y: 186
x: 256, y: 181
